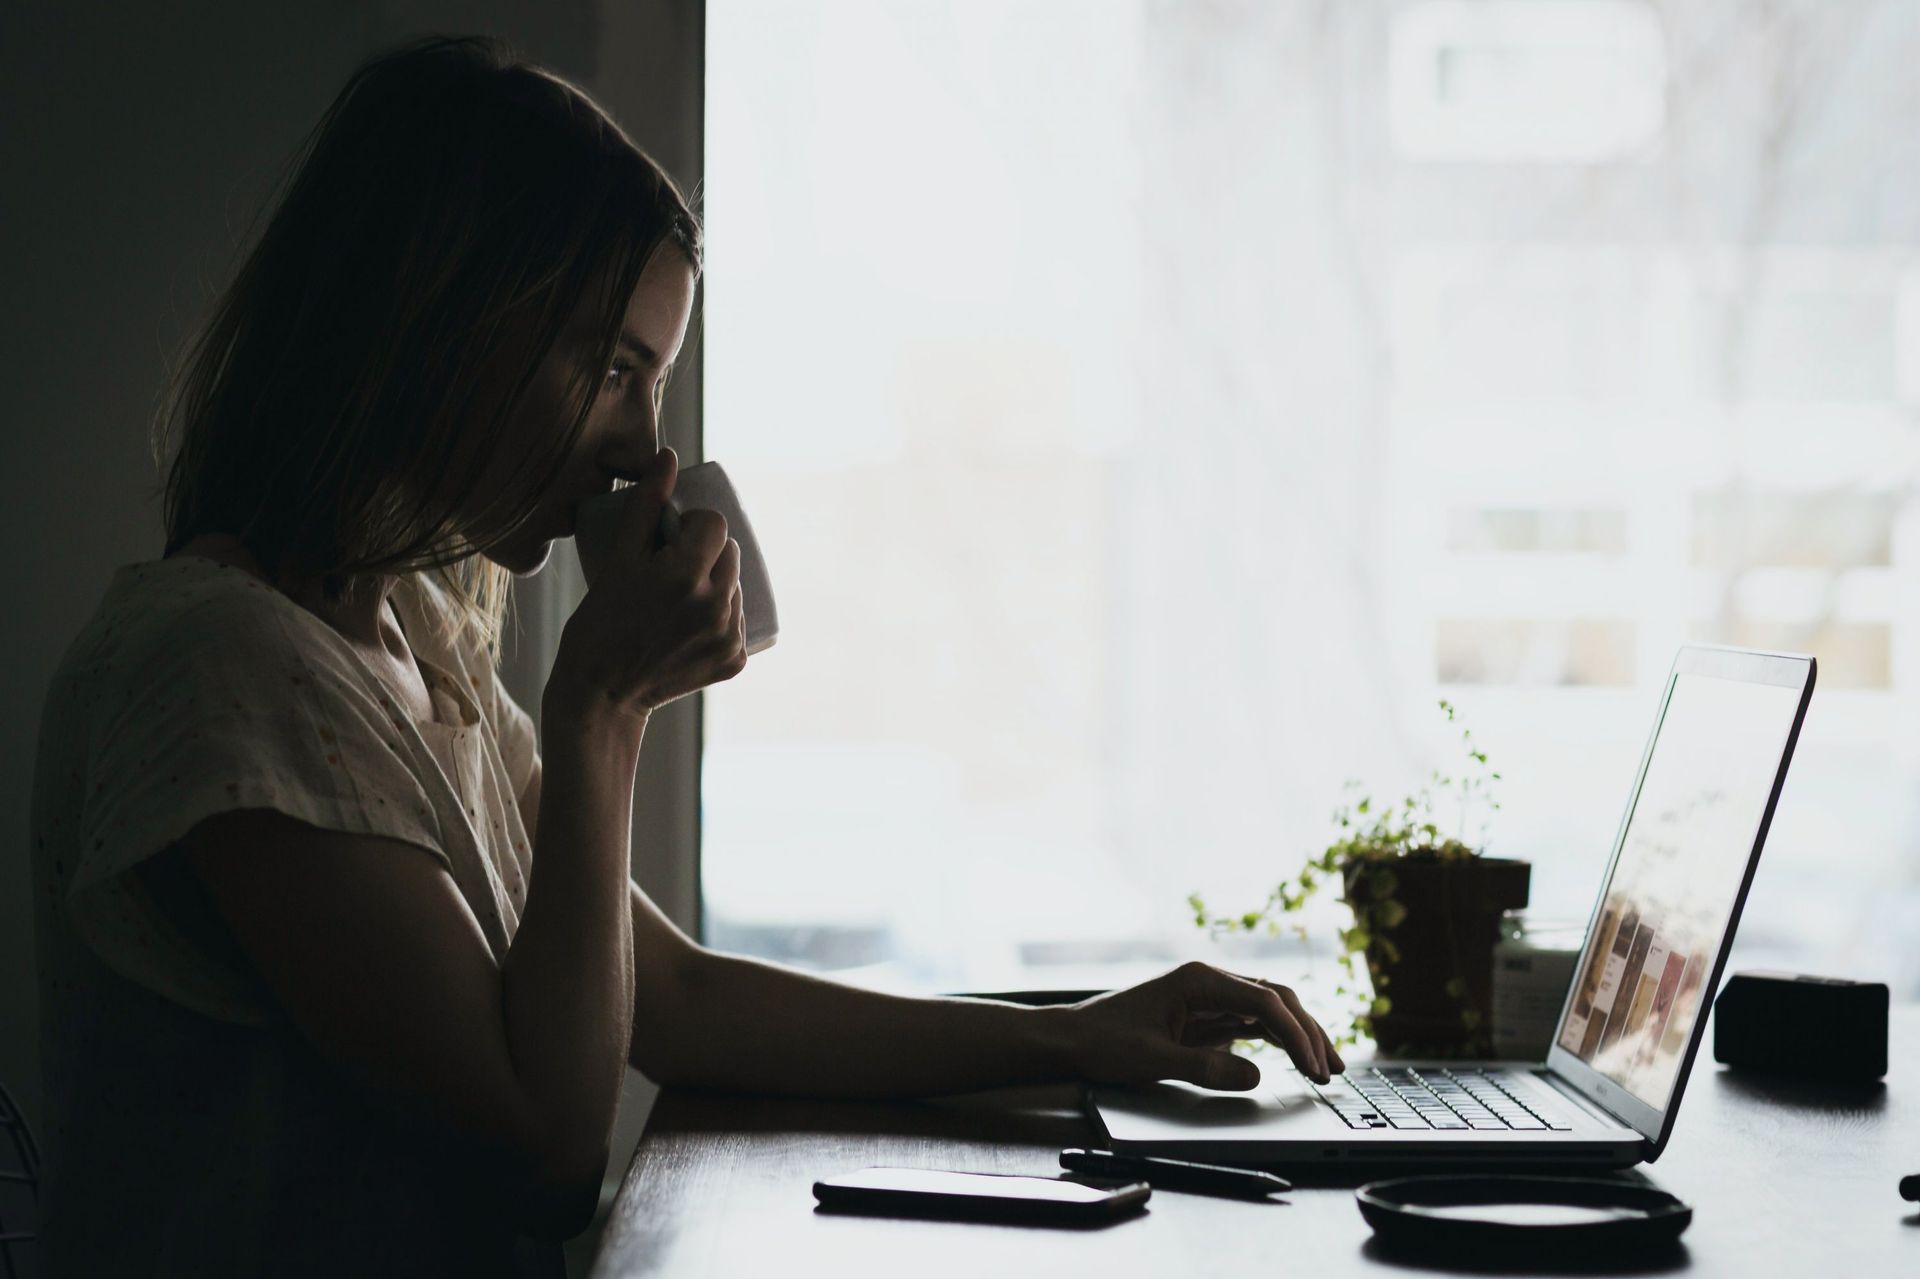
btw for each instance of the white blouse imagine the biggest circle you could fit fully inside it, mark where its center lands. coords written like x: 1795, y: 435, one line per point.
x: 191, y: 1129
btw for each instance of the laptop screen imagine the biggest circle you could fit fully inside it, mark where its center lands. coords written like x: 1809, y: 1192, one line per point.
x: 1683, y: 855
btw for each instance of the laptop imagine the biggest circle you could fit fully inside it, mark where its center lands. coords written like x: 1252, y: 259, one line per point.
x: 1609, y: 1090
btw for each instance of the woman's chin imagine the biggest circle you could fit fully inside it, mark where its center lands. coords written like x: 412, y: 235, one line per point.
x: 523, y: 561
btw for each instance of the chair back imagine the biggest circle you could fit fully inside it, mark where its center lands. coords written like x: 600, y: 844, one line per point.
x: 19, y: 1193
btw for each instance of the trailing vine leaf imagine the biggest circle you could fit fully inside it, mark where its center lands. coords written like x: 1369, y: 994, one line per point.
x: 1369, y: 836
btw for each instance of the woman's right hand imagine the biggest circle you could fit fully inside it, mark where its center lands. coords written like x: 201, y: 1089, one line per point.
x: 658, y: 622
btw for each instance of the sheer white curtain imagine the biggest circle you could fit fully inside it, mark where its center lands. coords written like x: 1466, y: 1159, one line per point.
x: 1151, y: 409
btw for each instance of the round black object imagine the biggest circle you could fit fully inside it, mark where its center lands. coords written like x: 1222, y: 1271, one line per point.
x: 1564, y: 1216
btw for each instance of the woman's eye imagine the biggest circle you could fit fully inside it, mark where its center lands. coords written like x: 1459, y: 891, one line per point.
x: 616, y: 376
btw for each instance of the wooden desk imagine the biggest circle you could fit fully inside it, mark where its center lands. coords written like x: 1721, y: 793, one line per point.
x: 1784, y: 1179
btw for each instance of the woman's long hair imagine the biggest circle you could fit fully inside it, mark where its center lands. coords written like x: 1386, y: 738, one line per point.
x: 445, y: 218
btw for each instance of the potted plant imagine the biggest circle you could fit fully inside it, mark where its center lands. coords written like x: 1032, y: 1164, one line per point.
x: 1426, y: 912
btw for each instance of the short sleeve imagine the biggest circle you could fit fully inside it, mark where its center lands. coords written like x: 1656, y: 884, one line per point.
x: 225, y: 706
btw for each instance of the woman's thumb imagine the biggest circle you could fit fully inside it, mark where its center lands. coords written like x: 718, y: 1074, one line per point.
x: 662, y: 471
x: 649, y: 493
x: 1213, y: 1068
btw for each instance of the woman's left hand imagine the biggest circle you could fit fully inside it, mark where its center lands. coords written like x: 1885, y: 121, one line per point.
x: 1178, y: 1026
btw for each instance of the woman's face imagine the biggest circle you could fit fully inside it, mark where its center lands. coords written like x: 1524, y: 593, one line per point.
x: 623, y: 427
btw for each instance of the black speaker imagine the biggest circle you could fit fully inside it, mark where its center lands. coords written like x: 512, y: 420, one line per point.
x: 1816, y: 1027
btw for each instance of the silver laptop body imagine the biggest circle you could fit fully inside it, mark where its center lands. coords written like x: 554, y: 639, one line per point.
x: 1609, y: 1091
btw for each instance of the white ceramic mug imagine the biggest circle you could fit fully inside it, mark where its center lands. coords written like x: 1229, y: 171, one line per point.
x: 701, y: 487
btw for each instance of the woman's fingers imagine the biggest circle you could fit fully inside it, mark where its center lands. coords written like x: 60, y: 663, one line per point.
x: 1212, y: 1028
x: 1329, y: 1057
x: 1212, y: 990
x: 641, y: 514
x: 1216, y: 1030
x: 1328, y: 1054
x: 725, y: 574
x: 703, y: 540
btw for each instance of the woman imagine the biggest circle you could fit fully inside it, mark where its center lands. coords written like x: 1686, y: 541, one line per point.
x: 340, y: 975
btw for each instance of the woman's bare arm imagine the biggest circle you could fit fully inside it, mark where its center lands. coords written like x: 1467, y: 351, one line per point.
x: 380, y: 962
x: 687, y: 1028
x: 706, y: 1019
x: 376, y: 956
x: 710, y: 1020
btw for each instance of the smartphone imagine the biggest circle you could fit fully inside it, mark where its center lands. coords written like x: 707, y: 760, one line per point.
x: 984, y: 1196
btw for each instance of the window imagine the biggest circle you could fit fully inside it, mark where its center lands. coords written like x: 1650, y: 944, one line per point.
x: 1515, y: 80
x: 1149, y: 413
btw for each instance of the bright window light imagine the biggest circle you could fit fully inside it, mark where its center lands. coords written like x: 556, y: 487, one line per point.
x: 1144, y: 432
x: 1547, y: 80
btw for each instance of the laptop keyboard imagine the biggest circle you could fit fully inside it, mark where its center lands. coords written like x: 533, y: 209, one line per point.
x: 1460, y: 1100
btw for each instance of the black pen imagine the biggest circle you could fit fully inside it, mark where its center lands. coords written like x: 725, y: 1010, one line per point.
x: 1176, y: 1174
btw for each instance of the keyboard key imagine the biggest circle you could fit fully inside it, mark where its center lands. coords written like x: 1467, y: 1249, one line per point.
x: 1407, y: 1098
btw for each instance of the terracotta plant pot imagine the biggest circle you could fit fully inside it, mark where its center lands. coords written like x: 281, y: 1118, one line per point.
x: 1452, y: 922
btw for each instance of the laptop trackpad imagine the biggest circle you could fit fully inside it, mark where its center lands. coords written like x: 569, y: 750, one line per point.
x: 1282, y: 1106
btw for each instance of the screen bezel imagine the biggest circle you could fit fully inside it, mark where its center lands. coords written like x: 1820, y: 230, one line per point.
x: 1786, y: 670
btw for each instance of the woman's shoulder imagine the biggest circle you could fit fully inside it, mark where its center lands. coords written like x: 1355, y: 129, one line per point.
x: 163, y: 618
x: 189, y: 599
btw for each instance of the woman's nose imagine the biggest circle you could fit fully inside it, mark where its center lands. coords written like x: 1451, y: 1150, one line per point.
x: 631, y: 452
